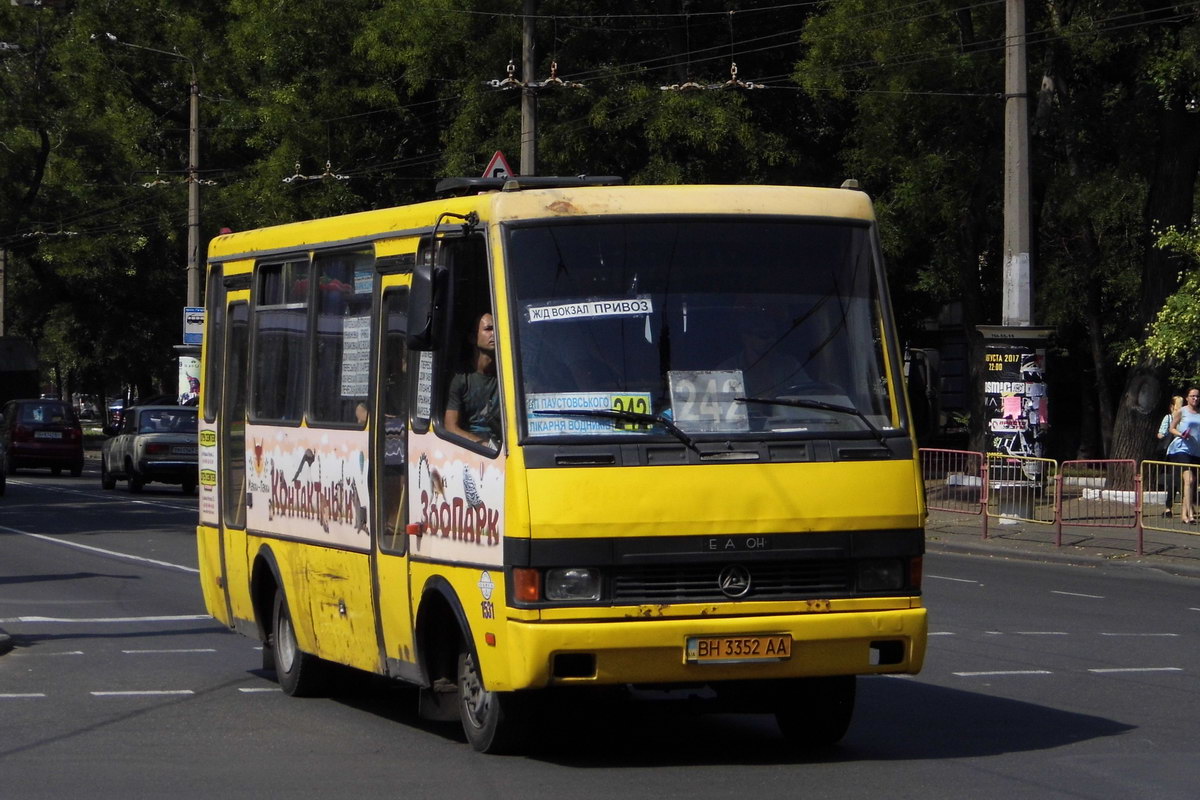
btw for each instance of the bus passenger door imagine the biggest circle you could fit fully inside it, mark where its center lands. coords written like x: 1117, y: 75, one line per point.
x: 390, y: 478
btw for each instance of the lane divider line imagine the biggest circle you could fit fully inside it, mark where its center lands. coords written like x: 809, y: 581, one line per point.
x: 178, y: 650
x: 1138, y: 669
x: 1004, y: 672
x: 1077, y: 594
x: 102, y: 551
x: 143, y: 692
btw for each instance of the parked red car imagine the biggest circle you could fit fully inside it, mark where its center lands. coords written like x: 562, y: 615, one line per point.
x: 42, y: 433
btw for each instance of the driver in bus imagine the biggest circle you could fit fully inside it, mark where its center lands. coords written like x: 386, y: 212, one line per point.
x: 473, y: 404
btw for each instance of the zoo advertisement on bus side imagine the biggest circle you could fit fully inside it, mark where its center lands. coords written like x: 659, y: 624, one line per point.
x: 309, y: 484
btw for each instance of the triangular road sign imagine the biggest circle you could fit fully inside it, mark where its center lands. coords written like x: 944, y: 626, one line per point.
x: 498, y: 167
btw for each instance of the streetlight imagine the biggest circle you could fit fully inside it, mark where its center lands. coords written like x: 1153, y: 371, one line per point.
x: 193, y: 170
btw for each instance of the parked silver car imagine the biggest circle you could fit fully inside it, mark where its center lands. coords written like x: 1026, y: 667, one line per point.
x: 154, y: 443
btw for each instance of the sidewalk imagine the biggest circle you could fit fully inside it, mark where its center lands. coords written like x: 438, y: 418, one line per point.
x: 1171, y: 552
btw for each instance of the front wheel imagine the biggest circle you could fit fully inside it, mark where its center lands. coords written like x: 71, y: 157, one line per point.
x: 300, y: 674
x: 494, y: 722
x: 816, y: 712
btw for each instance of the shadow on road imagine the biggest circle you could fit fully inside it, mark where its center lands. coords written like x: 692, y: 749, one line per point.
x: 894, y: 720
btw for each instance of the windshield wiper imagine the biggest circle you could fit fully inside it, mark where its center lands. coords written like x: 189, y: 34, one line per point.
x: 627, y: 416
x: 798, y: 402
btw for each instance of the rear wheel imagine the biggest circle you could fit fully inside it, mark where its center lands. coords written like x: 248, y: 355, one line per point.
x: 494, y: 722
x: 136, y: 482
x: 816, y: 712
x: 300, y: 674
x: 107, y: 481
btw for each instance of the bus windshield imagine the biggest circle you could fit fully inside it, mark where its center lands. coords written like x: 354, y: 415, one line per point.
x: 695, y: 327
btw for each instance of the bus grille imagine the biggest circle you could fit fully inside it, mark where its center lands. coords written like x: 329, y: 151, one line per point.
x: 699, y: 582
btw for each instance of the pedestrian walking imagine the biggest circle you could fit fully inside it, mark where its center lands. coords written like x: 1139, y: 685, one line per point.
x: 1185, y: 425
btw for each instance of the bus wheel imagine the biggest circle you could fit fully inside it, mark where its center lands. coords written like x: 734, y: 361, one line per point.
x: 816, y: 712
x: 494, y: 722
x: 300, y: 674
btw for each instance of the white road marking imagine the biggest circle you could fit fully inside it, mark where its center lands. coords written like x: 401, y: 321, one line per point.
x: 179, y: 650
x: 1077, y: 594
x: 176, y: 618
x: 1138, y: 634
x: 102, y: 551
x: 945, y: 578
x: 940, y: 633
x: 164, y: 502
x: 19, y: 696
x: 143, y: 692
x: 1138, y: 669
x: 256, y: 689
x: 1040, y: 633
x: 1004, y: 672
x: 27, y: 653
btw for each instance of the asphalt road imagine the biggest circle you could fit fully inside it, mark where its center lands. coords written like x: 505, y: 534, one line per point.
x: 1042, y: 680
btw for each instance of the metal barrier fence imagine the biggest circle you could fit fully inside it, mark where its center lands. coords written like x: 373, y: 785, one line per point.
x: 1022, y: 489
x: 954, y: 480
x: 1098, y: 493
x: 1163, y: 506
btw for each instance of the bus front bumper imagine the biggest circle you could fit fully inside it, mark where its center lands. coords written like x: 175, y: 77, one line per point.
x: 655, y: 651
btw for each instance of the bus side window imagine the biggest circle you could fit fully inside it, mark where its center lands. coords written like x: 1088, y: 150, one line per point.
x: 466, y: 368
x: 280, y: 342
x: 343, y: 344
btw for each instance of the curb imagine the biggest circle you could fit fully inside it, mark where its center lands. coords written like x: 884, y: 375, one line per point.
x: 1057, y: 556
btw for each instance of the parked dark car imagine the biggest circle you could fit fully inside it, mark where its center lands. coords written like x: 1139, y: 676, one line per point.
x: 154, y: 443
x: 42, y: 433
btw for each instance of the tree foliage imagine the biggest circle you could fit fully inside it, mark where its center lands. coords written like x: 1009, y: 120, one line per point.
x: 318, y: 107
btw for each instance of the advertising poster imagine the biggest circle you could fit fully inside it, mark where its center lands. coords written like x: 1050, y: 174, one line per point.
x: 1015, y: 403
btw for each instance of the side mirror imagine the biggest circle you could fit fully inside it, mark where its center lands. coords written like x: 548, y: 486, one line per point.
x: 426, y: 297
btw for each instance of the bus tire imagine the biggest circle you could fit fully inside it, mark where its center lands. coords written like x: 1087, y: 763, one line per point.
x: 816, y: 712
x: 494, y: 722
x: 299, y: 674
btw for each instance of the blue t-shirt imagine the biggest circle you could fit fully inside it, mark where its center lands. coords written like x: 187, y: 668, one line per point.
x: 1189, y: 423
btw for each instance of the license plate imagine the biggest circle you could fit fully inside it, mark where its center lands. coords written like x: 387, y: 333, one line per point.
x: 184, y: 450
x: 736, y: 649
x: 47, y: 434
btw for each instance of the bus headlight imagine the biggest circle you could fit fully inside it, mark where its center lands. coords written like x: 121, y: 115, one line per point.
x: 877, y: 575
x: 572, y: 583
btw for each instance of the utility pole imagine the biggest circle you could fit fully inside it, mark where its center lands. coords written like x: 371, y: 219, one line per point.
x: 193, y: 181
x: 528, y: 93
x: 1018, y: 271
x: 1014, y: 370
